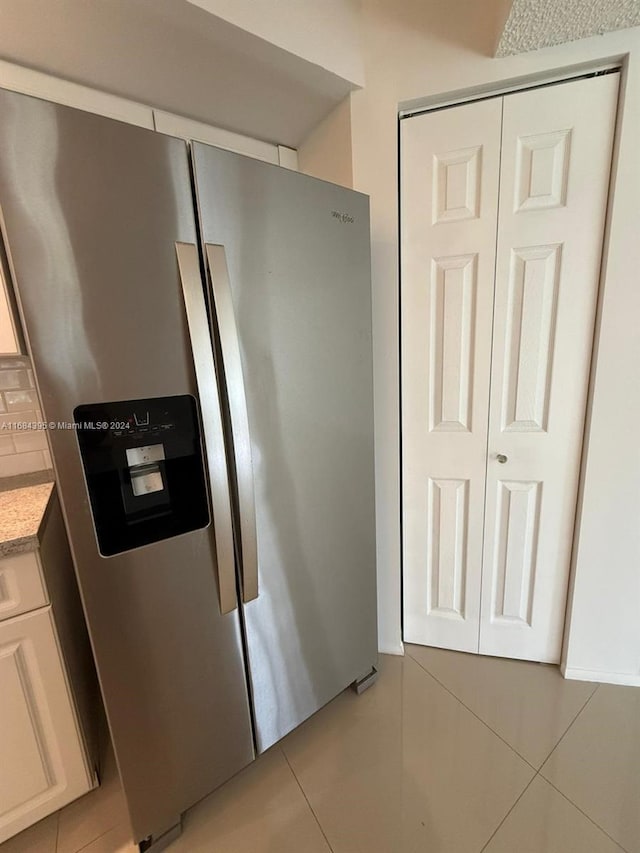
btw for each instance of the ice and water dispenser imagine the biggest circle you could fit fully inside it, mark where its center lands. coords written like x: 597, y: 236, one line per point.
x: 144, y: 470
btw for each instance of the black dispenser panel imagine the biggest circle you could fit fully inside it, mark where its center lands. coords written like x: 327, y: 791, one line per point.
x: 144, y: 469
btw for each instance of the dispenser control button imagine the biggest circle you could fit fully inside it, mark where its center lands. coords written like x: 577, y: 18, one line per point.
x: 145, y: 455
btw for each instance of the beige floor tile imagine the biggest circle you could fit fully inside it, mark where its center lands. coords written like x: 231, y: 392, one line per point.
x: 116, y: 840
x: 359, y: 731
x: 543, y: 821
x: 404, y: 768
x: 261, y: 810
x: 39, y: 838
x: 91, y: 816
x: 597, y: 764
x: 530, y: 705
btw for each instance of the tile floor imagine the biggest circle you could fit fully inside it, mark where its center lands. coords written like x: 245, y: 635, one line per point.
x: 447, y: 753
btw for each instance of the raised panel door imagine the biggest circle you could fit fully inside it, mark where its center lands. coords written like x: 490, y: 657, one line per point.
x: 449, y: 195
x: 556, y: 155
x: 21, y: 584
x: 43, y: 764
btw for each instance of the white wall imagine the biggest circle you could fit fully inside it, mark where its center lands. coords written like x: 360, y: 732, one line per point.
x: 326, y: 33
x: 421, y: 48
x: 603, y: 641
x: 326, y: 152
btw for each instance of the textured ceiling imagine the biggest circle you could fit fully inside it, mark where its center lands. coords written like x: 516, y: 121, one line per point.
x: 541, y: 23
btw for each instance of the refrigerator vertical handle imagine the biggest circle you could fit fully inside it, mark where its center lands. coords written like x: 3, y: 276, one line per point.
x: 192, y: 290
x: 232, y: 365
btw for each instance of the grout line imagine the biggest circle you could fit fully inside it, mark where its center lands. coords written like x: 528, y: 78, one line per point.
x: 537, y: 772
x: 306, y: 799
x: 97, y: 838
x: 55, y: 846
x: 582, y: 812
x: 544, y: 779
x: 471, y: 711
x: 566, y: 731
x: 524, y: 791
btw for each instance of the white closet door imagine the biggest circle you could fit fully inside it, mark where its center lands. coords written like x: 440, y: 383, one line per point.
x: 450, y: 162
x: 556, y: 154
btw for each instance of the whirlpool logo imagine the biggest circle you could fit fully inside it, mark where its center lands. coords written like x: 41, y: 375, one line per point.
x: 341, y: 217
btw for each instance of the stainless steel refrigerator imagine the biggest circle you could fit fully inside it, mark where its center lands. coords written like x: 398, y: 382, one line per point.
x: 200, y: 328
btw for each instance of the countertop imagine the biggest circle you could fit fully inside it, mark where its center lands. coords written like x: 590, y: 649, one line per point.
x: 21, y: 514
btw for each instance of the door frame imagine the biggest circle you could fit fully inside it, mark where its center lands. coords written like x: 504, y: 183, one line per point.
x: 447, y: 100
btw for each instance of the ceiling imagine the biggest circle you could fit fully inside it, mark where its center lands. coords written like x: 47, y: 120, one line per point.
x: 533, y: 24
x: 175, y: 56
x: 267, y: 75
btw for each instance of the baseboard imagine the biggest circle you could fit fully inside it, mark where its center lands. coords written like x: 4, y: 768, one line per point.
x: 627, y: 679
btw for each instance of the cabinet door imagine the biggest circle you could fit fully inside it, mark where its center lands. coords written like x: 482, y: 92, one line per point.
x: 450, y: 164
x: 42, y: 761
x: 21, y: 584
x: 556, y: 156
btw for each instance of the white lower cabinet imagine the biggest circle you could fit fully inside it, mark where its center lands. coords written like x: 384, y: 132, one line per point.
x: 49, y: 707
x: 43, y: 764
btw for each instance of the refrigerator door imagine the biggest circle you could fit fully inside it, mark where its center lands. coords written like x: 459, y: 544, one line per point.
x: 92, y: 211
x: 288, y: 260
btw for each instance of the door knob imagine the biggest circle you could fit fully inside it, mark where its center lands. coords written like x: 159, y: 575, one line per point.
x: 501, y: 458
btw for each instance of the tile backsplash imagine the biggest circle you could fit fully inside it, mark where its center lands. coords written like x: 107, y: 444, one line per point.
x: 22, y: 449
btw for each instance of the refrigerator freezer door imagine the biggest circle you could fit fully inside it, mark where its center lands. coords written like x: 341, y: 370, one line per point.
x: 297, y: 253
x: 92, y: 210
